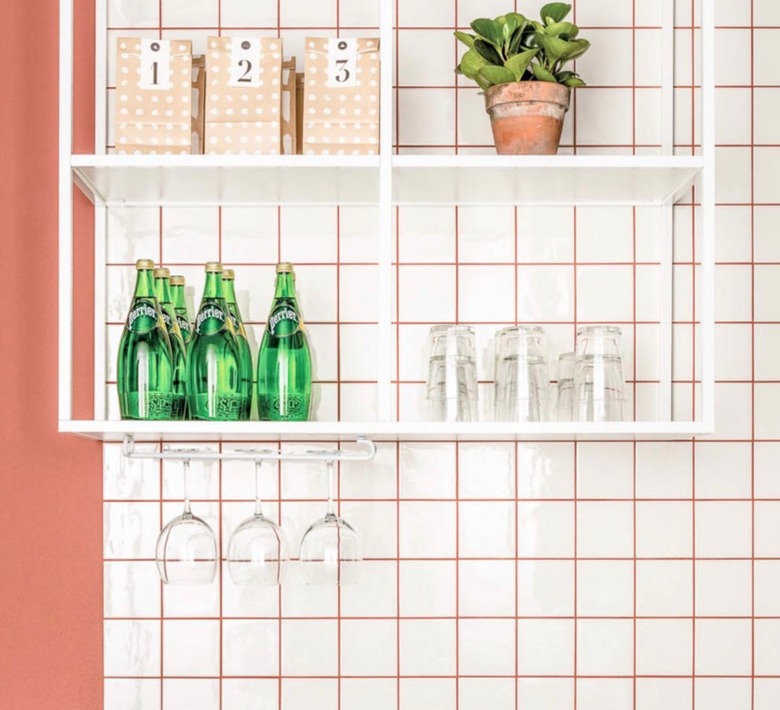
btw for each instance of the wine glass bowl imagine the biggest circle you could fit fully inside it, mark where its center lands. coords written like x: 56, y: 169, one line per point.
x: 330, y: 552
x: 187, y: 551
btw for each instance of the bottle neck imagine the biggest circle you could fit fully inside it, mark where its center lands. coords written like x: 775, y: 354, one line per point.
x: 285, y: 286
x: 213, y: 287
x: 163, y: 290
x: 177, y: 292
x: 229, y: 291
x: 144, y: 284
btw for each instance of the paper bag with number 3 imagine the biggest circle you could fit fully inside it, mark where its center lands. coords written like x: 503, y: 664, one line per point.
x: 153, y: 96
x: 341, y: 97
x: 244, y: 95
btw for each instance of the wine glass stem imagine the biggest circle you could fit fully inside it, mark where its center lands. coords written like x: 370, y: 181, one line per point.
x: 258, y: 500
x: 187, y: 509
x: 331, y: 507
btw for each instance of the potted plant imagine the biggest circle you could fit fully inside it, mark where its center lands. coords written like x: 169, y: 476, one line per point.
x: 520, y: 65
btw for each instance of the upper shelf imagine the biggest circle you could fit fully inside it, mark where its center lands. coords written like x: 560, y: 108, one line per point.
x: 382, y: 431
x: 146, y: 180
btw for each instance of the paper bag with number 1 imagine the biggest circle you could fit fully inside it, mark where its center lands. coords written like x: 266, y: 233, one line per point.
x: 244, y: 95
x: 153, y: 96
x: 341, y: 97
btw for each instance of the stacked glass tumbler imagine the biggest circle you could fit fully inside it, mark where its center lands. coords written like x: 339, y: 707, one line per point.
x: 452, y: 374
x: 521, y: 378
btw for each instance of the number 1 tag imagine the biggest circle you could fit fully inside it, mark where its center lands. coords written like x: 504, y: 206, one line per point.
x: 342, y: 63
x: 155, y: 64
x: 245, y: 58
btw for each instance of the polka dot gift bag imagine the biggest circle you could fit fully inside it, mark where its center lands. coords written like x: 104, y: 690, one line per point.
x: 341, y: 97
x: 153, y: 96
x: 244, y: 95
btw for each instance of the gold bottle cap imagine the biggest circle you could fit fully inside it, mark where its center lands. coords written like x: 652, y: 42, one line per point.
x: 161, y: 272
x: 177, y: 281
x: 284, y: 267
x: 228, y: 275
x: 142, y: 264
x: 213, y: 267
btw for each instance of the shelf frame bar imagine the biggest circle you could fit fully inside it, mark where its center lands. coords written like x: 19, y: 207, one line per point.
x: 366, y: 452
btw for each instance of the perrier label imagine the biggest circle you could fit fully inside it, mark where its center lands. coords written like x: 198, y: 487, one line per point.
x: 245, y: 354
x: 145, y: 364
x: 284, y: 361
x: 178, y: 348
x: 213, y: 358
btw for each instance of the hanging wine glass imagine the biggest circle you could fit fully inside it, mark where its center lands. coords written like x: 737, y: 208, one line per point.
x: 330, y: 549
x: 258, y: 552
x: 187, y: 546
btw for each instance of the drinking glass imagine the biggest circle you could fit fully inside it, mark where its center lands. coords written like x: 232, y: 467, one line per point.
x: 451, y: 393
x: 521, y: 380
x: 187, y: 547
x: 565, y: 402
x: 598, y: 375
x: 258, y: 552
x: 330, y: 549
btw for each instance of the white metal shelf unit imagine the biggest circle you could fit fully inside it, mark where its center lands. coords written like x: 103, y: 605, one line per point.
x: 387, y: 181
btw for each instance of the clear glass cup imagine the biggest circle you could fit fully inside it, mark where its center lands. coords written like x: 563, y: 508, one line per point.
x: 599, y: 389
x: 330, y: 548
x: 451, y: 391
x: 258, y: 552
x: 565, y: 403
x: 598, y: 340
x: 452, y: 341
x: 521, y: 389
x: 521, y: 340
x: 186, y: 551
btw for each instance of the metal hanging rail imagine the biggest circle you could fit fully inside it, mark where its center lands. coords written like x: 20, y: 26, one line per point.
x: 366, y: 452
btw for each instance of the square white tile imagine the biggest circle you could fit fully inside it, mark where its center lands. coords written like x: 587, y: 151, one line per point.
x: 427, y: 647
x: 486, y: 647
x: 664, y: 647
x: 250, y: 648
x: 545, y: 588
x: 605, y: 647
x: 437, y: 578
x: 368, y: 647
x: 307, y: 647
x: 545, y: 647
x: 191, y: 648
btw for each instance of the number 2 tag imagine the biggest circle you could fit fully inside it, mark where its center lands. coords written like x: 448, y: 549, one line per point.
x: 155, y: 64
x: 342, y: 63
x: 245, y: 62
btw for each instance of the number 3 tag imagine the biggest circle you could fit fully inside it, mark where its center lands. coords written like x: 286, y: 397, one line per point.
x: 155, y: 64
x: 245, y: 62
x: 342, y: 63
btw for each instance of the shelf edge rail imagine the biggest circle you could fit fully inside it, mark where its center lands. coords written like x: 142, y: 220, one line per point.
x: 366, y: 452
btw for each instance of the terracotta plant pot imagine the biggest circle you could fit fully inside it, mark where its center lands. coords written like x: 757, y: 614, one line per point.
x: 527, y: 116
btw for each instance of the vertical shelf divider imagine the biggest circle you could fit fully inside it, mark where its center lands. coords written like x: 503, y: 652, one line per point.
x: 385, y: 358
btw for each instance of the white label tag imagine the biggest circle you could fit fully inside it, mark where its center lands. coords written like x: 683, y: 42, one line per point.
x: 245, y: 61
x: 155, y: 64
x: 342, y: 63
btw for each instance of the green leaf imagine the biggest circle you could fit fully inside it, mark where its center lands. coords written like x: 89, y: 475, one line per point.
x: 489, y: 30
x: 562, y: 76
x: 519, y: 64
x: 555, y: 48
x: 565, y: 30
x: 555, y: 12
x: 488, y: 52
x: 517, y: 39
x: 497, y: 75
x: 471, y: 63
x: 574, y: 82
x: 467, y: 39
x: 576, y: 48
x: 542, y: 74
x: 483, y: 84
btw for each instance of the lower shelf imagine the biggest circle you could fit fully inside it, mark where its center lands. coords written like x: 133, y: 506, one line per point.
x: 381, y: 431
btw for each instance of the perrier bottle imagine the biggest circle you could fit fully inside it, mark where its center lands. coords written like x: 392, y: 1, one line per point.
x: 180, y: 307
x: 213, y: 360
x: 284, y: 361
x: 145, y: 365
x: 179, y: 349
x: 245, y: 354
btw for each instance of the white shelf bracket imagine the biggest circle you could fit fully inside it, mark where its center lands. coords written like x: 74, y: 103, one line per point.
x: 366, y: 452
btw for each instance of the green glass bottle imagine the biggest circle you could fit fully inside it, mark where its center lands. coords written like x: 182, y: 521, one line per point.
x: 228, y: 287
x: 180, y: 307
x: 284, y: 361
x: 145, y: 360
x: 213, y: 360
x: 179, y: 349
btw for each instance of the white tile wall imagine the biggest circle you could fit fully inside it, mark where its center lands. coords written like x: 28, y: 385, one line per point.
x: 590, y: 576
